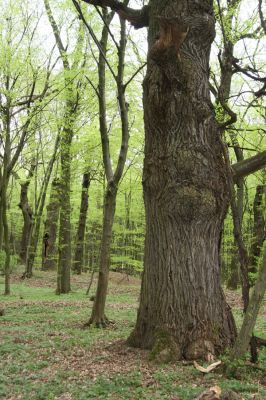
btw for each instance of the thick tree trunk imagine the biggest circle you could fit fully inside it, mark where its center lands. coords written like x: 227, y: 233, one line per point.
x: 182, y: 310
x: 79, y: 251
x: 258, y: 236
x: 49, y: 254
x: 98, y: 317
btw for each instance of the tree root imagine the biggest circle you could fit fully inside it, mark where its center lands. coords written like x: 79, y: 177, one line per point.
x: 100, y: 323
x: 255, y: 344
x: 260, y: 342
x: 26, y: 275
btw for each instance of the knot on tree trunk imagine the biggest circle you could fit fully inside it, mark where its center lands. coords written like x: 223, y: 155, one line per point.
x: 165, y: 348
x: 173, y: 32
x: 199, y: 350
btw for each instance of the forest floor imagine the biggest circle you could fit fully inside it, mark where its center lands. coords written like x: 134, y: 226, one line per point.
x: 46, y: 355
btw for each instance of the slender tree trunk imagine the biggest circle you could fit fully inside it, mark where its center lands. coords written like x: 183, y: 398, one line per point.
x: 64, y: 260
x: 49, y: 254
x: 33, y: 245
x: 86, y: 251
x: 70, y: 112
x: 182, y: 307
x: 6, y: 235
x: 79, y: 251
x: 12, y: 239
x: 98, y: 316
x: 1, y: 226
x: 3, y: 190
x: 258, y: 236
x: 223, y: 95
x: 251, y: 314
x: 35, y: 231
x: 27, y: 226
x: 27, y: 216
x: 1, y: 212
x: 93, y: 239
x: 234, y: 273
x: 113, y: 177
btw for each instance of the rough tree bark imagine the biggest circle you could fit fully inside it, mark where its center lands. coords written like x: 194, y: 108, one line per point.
x: 79, y: 251
x: 182, y: 306
x: 49, y: 254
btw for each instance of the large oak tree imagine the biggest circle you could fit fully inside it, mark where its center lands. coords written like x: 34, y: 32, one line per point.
x: 186, y: 183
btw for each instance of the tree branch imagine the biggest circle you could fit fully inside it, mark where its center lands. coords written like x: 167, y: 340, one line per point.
x: 249, y: 166
x: 247, y: 73
x: 262, y: 20
x: 135, y: 74
x: 98, y: 44
x: 137, y: 18
x: 57, y: 36
x: 232, y: 115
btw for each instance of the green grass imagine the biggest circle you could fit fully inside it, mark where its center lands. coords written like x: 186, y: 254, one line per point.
x: 45, y: 353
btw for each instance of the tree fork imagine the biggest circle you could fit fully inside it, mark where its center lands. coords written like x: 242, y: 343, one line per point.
x: 137, y: 18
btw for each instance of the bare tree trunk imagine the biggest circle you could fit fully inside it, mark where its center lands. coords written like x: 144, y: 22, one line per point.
x: 234, y: 273
x: 258, y: 236
x: 98, y: 313
x: 27, y: 215
x: 64, y: 260
x: 79, y: 251
x: 3, y: 190
x: 35, y: 231
x: 113, y: 177
x: 223, y: 94
x: 1, y: 212
x: 49, y: 253
x: 86, y: 251
x: 6, y: 234
x: 250, y: 317
x: 72, y: 97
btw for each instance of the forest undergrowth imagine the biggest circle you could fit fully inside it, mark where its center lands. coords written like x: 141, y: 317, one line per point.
x: 46, y: 354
